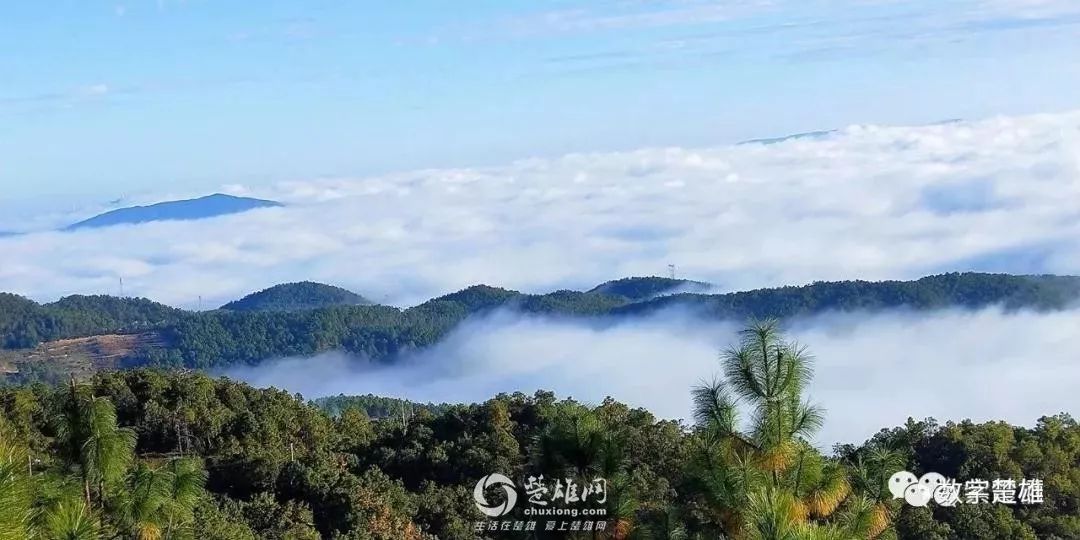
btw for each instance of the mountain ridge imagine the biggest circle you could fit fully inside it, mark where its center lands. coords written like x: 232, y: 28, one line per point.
x: 220, y: 338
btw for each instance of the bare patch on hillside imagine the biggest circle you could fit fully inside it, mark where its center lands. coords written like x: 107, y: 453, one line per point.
x: 82, y: 356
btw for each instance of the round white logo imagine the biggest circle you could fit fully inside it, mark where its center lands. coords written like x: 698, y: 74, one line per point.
x: 899, y: 483
x: 490, y: 481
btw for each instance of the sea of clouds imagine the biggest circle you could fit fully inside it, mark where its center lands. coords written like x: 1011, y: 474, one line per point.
x: 865, y: 201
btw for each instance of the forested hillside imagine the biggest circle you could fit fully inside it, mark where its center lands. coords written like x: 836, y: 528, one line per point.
x: 226, y: 337
x: 145, y: 454
x: 24, y: 323
x: 961, y: 290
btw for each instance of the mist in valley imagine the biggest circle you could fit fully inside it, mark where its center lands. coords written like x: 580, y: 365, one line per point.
x: 873, y: 371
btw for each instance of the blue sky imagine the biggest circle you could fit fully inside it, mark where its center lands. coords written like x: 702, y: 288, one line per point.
x: 109, y: 98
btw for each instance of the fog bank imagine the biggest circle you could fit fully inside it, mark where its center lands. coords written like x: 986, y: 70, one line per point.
x: 873, y: 370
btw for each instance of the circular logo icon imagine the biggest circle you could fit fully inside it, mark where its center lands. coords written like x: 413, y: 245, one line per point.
x: 899, y: 483
x: 493, y: 480
x: 918, y: 495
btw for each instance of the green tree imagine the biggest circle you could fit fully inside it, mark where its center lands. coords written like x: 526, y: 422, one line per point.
x: 141, y: 506
x: 99, y: 451
x: 71, y: 519
x: 16, y: 490
x: 578, y: 444
x: 768, y: 482
x: 160, y: 503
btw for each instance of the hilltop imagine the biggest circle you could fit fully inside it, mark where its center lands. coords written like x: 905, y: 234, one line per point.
x: 647, y: 288
x: 296, y: 297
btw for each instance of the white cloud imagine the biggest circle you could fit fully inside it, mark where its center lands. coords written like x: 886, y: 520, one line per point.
x: 872, y: 371
x: 99, y: 89
x: 865, y: 202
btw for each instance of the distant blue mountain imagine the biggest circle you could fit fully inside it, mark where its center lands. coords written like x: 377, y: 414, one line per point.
x: 201, y: 208
x: 813, y: 135
x: 818, y: 135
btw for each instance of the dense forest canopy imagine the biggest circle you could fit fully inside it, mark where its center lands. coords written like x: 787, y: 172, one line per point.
x: 222, y: 338
x: 150, y: 454
x: 376, y: 407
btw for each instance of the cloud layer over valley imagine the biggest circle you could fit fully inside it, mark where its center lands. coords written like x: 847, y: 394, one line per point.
x: 863, y: 202
x: 872, y: 371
